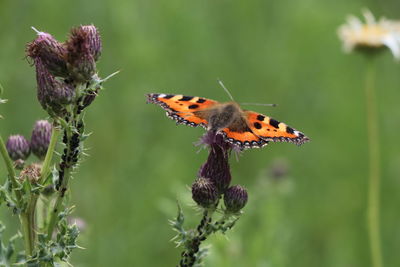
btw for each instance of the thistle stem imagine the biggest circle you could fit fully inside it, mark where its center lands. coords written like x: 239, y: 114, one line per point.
x: 65, y: 168
x: 29, y: 225
x: 49, y: 154
x: 189, y: 256
x: 57, y: 205
x: 374, y: 166
x: 26, y: 232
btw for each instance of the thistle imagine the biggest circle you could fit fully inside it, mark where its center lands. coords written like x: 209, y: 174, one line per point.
x: 30, y: 173
x: 50, y: 52
x: 40, y: 138
x: 207, y: 190
x: 67, y: 83
x: 235, y: 198
x: 216, y: 168
x: 53, y: 94
x: 18, y: 149
x: 84, y: 49
x: 204, y: 192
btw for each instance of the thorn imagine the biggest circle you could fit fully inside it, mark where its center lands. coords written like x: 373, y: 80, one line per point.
x: 110, y: 76
x: 36, y: 30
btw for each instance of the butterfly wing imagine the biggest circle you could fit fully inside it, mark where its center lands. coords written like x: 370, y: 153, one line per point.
x: 183, y: 109
x: 243, y: 139
x: 269, y: 129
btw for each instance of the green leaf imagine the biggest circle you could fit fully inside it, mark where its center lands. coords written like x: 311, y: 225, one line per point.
x: 7, y: 251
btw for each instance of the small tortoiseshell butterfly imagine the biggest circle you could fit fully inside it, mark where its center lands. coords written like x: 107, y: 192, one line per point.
x: 241, y: 128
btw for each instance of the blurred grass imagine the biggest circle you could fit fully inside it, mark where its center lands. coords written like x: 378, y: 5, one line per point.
x: 264, y: 51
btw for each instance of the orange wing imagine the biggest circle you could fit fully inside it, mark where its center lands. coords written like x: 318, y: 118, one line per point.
x: 269, y: 129
x: 243, y: 140
x: 181, y: 108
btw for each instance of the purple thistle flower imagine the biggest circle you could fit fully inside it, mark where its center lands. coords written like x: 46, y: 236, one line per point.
x: 53, y: 94
x: 50, y: 52
x: 204, y: 192
x: 216, y: 168
x: 84, y: 49
x: 235, y: 198
x: 40, y: 138
x: 18, y: 147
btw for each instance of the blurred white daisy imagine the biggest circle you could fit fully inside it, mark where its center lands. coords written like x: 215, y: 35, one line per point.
x: 371, y: 34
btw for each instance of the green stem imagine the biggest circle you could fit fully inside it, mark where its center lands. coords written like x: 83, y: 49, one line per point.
x: 29, y: 225
x: 69, y: 158
x: 42, y: 213
x: 374, y: 166
x: 57, y: 205
x: 26, y: 232
x: 11, y: 171
x: 49, y: 155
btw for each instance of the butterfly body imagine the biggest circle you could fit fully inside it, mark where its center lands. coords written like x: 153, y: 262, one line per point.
x: 242, y: 128
x: 221, y: 115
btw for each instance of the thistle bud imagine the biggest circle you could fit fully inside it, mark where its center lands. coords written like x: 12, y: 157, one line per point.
x: 204, y: 192
x: 84, y: 49
x: 50, y: 52
x: 53, y: 94
x: 18, y: 147
x: 235, y: 198
x: 30, y: 173
x: 93, y: 39
x: 40, y: 138
x: 217, y: 167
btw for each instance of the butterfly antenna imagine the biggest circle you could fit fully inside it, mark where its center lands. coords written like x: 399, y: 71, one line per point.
x: 226, y: 90
x: 259, y: 104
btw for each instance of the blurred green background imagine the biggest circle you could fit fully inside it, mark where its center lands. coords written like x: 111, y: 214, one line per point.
x: 284, y: 52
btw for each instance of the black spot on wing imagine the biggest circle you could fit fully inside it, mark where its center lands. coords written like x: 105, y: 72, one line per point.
x: 186, y: 98
x: 274, y: 123
x: 201, y: 100
x: 257, y: 125
x: 193, y: 106
x: 289, y: 130
x: 168, y: 96
x: 260, y: 117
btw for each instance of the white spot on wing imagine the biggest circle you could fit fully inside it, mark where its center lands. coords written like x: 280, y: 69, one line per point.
x: 162, y: 95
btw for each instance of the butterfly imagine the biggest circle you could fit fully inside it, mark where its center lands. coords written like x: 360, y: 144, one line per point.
x: 242, y: 128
